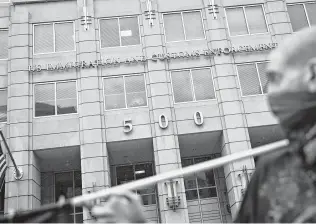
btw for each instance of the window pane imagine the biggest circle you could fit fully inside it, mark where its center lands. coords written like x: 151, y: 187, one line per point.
x: 187, y: 162
x: 173, y: 27
x: 311, y: 12
x: 206, y: 179
x: 4, y: 44
x: 181, y: 83
x: 256, y: 20
x: 109, y: 33
x: 43, y: 38
x: 149, y: 199
x: 66, y: 98
x: 129, y: 31
x: 208, y: 192
x: 191, y: 194
x: 44, y: 100
x: 297, y: 16
x: 79, y: 218
x: 124, y: 174
x: 114, y: 93
x: 263, y: 76
x: 190, y: 182
x: 64, y: 37
x: 249, y: 81
x: 3, y: 105
x: 113, y: 86
x: 135, y: 91
x: 115, y: 102
x: 143, y: 170
x: 64, y: 185
x: 236, y: 21
x: 193, y: 25
x: 203, y: 84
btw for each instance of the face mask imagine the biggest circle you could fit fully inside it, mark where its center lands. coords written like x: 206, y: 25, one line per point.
x: 295, y: 110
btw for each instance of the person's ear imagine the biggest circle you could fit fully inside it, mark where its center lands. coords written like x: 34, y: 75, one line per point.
x: 310, y: 74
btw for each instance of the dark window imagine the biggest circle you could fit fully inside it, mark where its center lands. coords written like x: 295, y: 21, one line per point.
x: 55, y: 98
x: 246, y: 20
x: 252, y: 78
x: 302, y: 15
x: 183, y: 26
x: 54, y: 37
x: 119, y: 32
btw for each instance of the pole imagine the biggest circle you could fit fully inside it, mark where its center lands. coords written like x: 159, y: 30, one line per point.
x: 139, y: 184
x: 18, y: 172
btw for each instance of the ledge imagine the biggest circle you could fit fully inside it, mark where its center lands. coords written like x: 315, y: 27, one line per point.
x: 20, y: 2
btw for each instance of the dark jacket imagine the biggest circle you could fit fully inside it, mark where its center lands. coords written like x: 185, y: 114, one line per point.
x: 280, y: 190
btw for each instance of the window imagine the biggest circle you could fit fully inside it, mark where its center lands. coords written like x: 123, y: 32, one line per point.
x: 4, y: 44
x: 246, y: 20
x: 200, y: 185
x: 54, y: 37
x: 192, y: 85
x: 129, y: 173
x: 117, y: 32
x: 302, y: 15
x: 252, y: 78
x: 3, y: 105
x: 69, y: 185
x: 55, y: 98
x: 125, y: 92
x: 200, y: 189
x: 183, y: 26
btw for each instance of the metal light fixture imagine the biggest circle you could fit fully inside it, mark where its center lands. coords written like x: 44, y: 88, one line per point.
x: 244, y: 179
x: 213, y: 9
x: 173, y: 200
x: 150, y: 13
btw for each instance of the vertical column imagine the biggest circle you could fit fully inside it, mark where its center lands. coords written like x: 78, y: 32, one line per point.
x: 94, y: 157
x: 165, y: 140
x: 278, y: 20
x: 21, y: 194
x: 235, y: 131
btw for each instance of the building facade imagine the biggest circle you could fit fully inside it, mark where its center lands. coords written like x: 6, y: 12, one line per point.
x: 96, y: 93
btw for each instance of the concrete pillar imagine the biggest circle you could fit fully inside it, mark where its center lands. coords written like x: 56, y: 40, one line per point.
x: 235, y: 131
x: 94, y: 156
x: 24, y: 194
x: 278, y: 20
x: 165, y: 141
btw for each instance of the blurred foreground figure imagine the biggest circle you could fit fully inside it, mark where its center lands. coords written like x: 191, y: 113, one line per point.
x: 282, y: 188
x: 120, y: 208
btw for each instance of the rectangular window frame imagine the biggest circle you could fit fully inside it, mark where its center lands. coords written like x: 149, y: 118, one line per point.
x: 73, y: 186
x: 197, y: 188
x: 118, y: 76
x: 185, y: 36
x: 247, y: 25
x: 5, y: 89
x: 54, y: 36
x: 192, y: 85
x: 5, y: 29
x: 249, y: 63
x: 119, y: 26
x: 134, y: 165
x: 55, y: 86
x: 306, y: 14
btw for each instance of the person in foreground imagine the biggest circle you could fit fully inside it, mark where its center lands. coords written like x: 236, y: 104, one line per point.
x: 282, y: 188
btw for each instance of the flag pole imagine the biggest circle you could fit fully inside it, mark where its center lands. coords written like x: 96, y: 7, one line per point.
x: 18, y: 174
x: 211, y: 164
